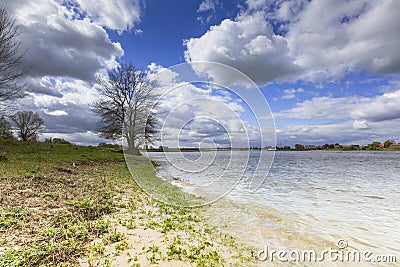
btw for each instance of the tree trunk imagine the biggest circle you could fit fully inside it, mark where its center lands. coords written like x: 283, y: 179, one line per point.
x: 132, y: 149
x: 136, y: 151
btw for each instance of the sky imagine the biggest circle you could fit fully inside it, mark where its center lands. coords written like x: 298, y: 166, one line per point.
x: 329, y: 70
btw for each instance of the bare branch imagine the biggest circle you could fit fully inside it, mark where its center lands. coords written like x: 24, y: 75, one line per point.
x: 11, y: 70
x: 127, y: 107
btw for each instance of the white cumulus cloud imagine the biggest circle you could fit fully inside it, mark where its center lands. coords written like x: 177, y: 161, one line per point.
x: 310, y: 40
x: 248, y: 44
x: 117, y: 15
x: 60, y: 46
x: 333, y: 37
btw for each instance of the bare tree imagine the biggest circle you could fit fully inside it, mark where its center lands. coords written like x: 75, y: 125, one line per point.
x: 11, y: 70
x: 29, y: 124
x: 127, y: 107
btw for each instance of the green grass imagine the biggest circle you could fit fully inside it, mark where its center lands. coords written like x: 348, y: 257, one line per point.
x: 55, y: 198
x: 76, y: 180
x: 30, y: 158
x: 144, y: 174
x: 10, y: 217
x: 57, y: 244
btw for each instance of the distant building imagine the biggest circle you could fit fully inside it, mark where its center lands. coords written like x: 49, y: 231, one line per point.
x: 382, y: 145
x: 395, y: 146
x: 338, y: 145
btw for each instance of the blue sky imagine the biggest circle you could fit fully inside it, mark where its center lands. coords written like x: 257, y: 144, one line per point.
x: 329, y: 69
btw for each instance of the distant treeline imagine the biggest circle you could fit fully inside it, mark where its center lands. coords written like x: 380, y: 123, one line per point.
x: 387, y: 145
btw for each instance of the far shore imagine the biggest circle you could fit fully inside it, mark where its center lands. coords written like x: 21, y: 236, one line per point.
x: 264, y: 149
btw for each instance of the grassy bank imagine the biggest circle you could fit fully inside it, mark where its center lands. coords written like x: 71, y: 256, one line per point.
x: 66, y: 205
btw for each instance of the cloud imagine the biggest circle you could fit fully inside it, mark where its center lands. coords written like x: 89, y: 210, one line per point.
x: 67, y: 115
x: 60, y: 46
x: 208, y: 9
x: 56, y: 112
x: 375, y: 109
x: 207, y: 5
x: 200, y: 113
x: 321, y: 108
x: 256, y: 4
x: 248, y: 44
x: 331, y: 38
x: 187, y: 105
x: 288, y: 11
x: 347, y: 120
x: 291, y: 93
x: 381, y: 108
x: 116, y: 15
x: 163, y: 76
x: 360, y: 124
x: 42, y: 85
x: 138, y: 31
x: 80, y: 138
x: 304, y: 40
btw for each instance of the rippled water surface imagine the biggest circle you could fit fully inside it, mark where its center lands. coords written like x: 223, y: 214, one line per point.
x: 307, y: 196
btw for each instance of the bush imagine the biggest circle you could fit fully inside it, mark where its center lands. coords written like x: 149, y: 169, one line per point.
x: 60, y: 141
x: 56, y: 141
x: 105, y: 145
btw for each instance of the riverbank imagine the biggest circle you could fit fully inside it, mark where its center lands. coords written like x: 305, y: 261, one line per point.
x: 67, y: 205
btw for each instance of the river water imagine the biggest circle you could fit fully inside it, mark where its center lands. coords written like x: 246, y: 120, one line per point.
x: 308, y: 200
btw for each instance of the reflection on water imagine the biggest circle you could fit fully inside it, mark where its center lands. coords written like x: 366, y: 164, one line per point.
x: 308, y: 199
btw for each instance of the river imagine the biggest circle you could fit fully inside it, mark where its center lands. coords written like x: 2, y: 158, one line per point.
x: 307, y: 200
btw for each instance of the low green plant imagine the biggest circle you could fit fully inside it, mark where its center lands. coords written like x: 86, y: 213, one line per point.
x: 130, y: 223
x: 91, y: 209
x: 105, y: 193
x: 122, y: 245
x: 47, y: 194
x: 114, y: 237
x: 10, y: 217
x: 101, y: 226
x: 175, y: 253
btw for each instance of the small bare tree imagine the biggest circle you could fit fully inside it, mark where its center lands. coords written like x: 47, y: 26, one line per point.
x: 127, y: 106
x: 11, y: 70
x: 29, y: 124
